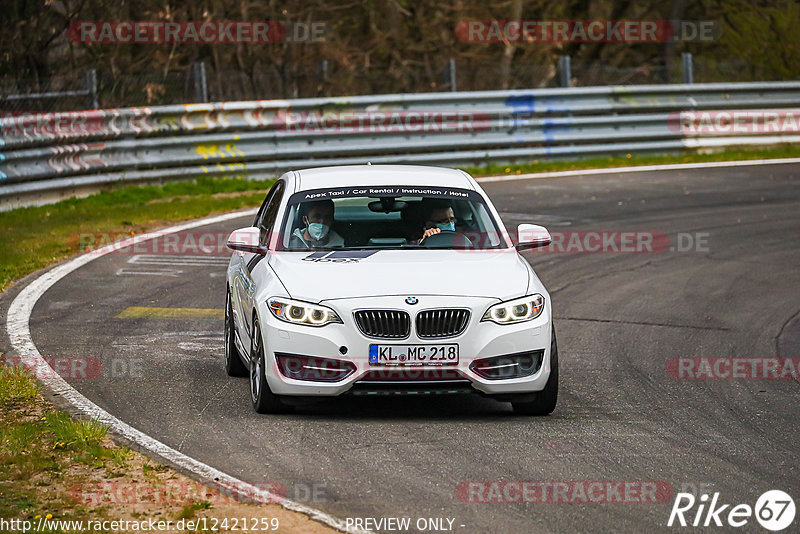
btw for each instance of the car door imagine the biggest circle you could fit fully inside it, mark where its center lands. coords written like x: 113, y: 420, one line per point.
x: 248, y: 281
x: 237, y: 282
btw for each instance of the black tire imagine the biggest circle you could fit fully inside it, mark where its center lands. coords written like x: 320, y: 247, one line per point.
x: 545, y: 401
x: 264, y: 400
x: 234, y: 365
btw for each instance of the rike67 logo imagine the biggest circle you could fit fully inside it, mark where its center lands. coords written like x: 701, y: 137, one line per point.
x: 774, y: 510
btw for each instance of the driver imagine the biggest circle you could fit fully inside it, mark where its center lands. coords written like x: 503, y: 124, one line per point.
x: 317, y: 232
x: 440, y: 218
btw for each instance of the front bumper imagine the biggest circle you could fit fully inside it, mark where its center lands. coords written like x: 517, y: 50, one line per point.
x: 479, y: 340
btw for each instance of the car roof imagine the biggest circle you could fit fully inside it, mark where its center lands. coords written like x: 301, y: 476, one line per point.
x: 365, y: 175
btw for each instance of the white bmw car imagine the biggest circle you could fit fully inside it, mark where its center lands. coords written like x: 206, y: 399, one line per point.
x: 387, y: 280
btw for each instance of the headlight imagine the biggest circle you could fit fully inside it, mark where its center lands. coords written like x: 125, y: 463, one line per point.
x: 515, y: 311
x: 296, y: 312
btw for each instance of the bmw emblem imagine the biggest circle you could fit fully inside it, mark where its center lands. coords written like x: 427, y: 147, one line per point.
x: 411, y: 300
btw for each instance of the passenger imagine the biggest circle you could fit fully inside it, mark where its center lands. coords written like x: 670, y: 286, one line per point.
x: 318, y: 219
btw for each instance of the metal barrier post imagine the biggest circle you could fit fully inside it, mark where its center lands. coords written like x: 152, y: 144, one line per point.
x: 564, y: 71
x: 322, y: 86
x: 323, y: 67
x: 91, y: 89
x: 451, y: 74
x: 199, y: 81
x: 688, y: 75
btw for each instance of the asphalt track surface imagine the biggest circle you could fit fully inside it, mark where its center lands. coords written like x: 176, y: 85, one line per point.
x: 620, y: 318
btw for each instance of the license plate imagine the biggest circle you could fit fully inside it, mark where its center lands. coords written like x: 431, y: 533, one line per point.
x: 419, y: 355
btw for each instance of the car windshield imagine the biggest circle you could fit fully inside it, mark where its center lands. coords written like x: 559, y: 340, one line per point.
x: 388, y: 218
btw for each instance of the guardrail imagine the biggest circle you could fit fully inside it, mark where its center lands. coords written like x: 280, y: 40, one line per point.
x: 47, y: 156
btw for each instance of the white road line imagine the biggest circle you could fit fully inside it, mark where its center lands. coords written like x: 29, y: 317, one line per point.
x: 157, y: 259
x: 638, y: 168
x: 18, y: 326
x: 152, y: 272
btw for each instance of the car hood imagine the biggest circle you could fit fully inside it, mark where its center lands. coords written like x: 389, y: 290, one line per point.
x: 327, y: 275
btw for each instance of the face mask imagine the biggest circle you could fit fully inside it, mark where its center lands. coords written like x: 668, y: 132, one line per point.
x: 318, y: 231
x: 447, y: 227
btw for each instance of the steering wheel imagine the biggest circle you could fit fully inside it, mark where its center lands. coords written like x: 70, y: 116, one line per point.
x: 447, y: 239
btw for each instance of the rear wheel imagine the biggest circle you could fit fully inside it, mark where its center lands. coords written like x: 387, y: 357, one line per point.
x: 545, y: 400
x: 264, y: 401
x: 233, y: 361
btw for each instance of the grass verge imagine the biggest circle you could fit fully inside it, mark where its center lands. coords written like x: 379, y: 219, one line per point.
x: 58, y: 471
x: 35, y: 237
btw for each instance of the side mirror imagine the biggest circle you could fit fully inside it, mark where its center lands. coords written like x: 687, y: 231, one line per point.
x: 247, y: 240
x: 532, y: 236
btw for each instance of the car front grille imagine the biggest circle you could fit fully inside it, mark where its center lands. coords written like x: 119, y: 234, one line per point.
x: 389, y: 324
x: 442, y: 323
x: 401, y: 374
x: 449, y: 387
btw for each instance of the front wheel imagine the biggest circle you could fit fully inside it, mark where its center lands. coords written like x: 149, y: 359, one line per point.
x: 264, y: 401
x: 545, y: 401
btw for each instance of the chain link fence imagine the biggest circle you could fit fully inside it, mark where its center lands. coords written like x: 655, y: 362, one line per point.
x: 730, y: 70
x: 68, y: 92
x: 202, y: 82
